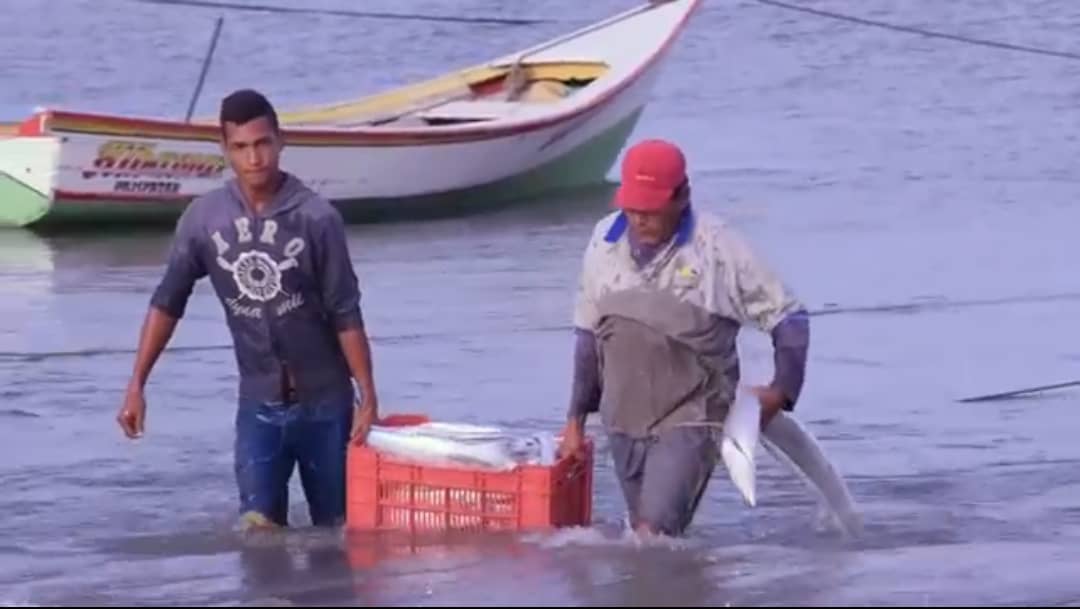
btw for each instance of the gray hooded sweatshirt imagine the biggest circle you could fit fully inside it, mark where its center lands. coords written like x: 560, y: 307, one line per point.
x: 285, y: 280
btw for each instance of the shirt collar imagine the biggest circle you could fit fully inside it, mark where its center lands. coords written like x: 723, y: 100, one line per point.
x: 682, y: 234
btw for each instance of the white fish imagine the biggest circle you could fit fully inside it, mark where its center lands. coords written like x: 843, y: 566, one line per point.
x: 739, y: 442
x: 462, y: 445
x: 790, y: 443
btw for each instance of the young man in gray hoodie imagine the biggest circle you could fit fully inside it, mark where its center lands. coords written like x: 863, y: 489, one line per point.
x: 276, y: 255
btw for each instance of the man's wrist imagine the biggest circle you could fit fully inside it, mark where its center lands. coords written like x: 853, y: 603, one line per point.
x: 367, y: 391
x: 786, y: 399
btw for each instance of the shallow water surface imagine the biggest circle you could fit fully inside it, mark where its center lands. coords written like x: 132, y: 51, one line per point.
x: 918, y: 194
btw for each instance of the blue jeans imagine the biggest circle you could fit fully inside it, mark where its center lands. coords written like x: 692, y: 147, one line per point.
x: 272, y: 439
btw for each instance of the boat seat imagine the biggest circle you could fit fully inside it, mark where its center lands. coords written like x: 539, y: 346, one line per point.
x: 484, y: 109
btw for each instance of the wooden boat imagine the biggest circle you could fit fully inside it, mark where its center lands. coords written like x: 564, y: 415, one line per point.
x: 553, y: 116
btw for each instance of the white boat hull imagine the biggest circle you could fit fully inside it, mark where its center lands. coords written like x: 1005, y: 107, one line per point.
x: 104, y: 166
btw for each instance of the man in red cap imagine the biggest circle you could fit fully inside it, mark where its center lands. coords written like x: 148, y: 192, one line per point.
x: 663, y: 292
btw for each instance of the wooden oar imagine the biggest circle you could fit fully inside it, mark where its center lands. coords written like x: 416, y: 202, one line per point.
x: 1018, y: 392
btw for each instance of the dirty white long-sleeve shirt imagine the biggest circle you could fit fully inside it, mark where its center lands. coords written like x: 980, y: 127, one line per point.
x: 710, y: 281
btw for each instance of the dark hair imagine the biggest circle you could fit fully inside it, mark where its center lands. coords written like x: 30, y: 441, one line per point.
x: 246, y: 105
x: 681, y: 190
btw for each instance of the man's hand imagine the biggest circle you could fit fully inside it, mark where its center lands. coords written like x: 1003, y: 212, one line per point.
x: 367, y: 411
x: 573, y: 439
x: 157, y: 328
x: 772, y: 401
x: 132, y: 415
x: 355, y: 345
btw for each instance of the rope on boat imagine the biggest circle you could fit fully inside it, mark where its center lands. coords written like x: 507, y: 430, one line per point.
x: 826, y: 310
x: 922, y: 32
x: 262, y: 8
x: 1005, y: 395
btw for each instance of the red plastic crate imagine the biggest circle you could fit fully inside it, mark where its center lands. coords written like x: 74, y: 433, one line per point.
x: 385, y: 492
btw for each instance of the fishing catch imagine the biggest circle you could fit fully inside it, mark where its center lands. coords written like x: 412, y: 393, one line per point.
x: 463, y: 445
x: 790, y: 443
x: 738, y: 443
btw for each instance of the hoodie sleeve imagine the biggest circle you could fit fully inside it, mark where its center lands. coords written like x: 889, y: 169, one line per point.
x: 340, y: 287
x: 182, y: 269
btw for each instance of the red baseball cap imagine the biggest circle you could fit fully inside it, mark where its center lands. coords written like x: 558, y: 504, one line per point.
x: 651, y: 172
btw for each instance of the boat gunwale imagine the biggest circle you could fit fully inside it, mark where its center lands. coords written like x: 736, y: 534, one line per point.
x: 63, y: 121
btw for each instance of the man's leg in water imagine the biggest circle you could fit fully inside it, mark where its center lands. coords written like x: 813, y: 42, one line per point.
x: 677, y: 471
x: 664, y: 477
x: 263, y: 463
x: 320, y: 440
x: 628, y: 454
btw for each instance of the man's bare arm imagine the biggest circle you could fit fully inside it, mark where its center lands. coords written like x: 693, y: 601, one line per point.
x: 157, y: 329
x: 357, y: 349
x: 167, y: 305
